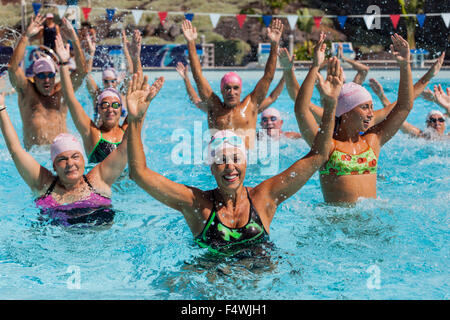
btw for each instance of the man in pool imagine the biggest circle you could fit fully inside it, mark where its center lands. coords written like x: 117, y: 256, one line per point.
x: 233, y: 113
x: 40, y: 99
x: 271, y: 123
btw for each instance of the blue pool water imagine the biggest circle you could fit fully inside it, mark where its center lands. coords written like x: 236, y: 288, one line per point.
x: 392, y: 247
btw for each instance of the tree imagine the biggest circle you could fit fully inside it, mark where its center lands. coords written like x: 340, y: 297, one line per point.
x: 411, y: 7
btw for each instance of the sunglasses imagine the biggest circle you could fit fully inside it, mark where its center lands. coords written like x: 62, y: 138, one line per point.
x: 434, y: 120
x: 109, y: 81
x: 44, y: 75
x: 105, y: 105
x: 272, y: 118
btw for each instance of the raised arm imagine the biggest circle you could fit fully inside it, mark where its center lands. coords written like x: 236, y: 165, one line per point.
x: 193, y: 96
x: 34, y: 175
x: 80, y: 72
x: 126, y: 53
x: 361, y: 69
x: 274, y: 33
x: 204, y: 89
x: 83, y: 123
x: 287, y: 63
x: 91, y: 85
x: 135, y: 52
x: 16, y: 73
x: 443, y: 99
x: 387, y: 128
x: 284, y: 185
x: 305, y: 119
x: 410, y: 129
x: 273, y: 96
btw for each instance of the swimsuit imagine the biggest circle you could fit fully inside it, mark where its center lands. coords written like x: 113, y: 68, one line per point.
x: 94, y: 208
x: 341, y: 163
x: 102, y: 149
x: 49, y: 37
x: 219, y: 238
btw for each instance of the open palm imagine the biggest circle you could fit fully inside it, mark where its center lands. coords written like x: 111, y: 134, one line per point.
x: 140, y: 94
x: 35, y: 26
x: 275, y: 31
x: 189, y: 31
x: 400, y: 49
x: 330, y: 88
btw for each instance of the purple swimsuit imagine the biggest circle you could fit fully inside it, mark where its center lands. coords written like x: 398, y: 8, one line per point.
x: 94, y: 208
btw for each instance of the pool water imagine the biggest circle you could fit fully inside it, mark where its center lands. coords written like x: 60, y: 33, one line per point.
x: 392, y: 247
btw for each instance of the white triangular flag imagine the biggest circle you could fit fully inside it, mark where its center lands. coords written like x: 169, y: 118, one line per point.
x: 368, y: 19
x: 137, y: 14
x: 214, y: 19
x: 446, y: 18
x: 292, y: 21
x: 61, y: 11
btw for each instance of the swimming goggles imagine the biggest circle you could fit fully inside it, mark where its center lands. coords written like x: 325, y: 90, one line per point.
x: 45, y: 75
x: 272, y: 118
x: 105, y: 105
x: 434, y: 120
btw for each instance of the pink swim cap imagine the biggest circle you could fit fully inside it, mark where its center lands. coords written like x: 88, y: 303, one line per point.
x: 65, y: 142
x: 43, y: 65
x: 351, y: 95
x: 109, y: 92
x: 109, y: 73
x: 230, y: 77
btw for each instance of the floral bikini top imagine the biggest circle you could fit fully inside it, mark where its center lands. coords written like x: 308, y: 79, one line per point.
x: 341, y: 163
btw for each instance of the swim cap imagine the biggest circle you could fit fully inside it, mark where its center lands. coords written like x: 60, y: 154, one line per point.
x: 229, y: 78
x: 109, y: 92
x: 271, y: 112
x: 49, y: 15
x: 433, y: 112
x: 65, y: 142
x: 222, y: 140
x: 351, y: 95
x: 109, y: 73
x: 43, y: 65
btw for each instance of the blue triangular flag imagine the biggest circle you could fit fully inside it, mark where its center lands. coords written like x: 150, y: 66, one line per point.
x: 420, y: 19
x: 267, y: 20
x: 342, y: 20
x: 36, y: 7
x: 189, y: 16
x: 110, y: 13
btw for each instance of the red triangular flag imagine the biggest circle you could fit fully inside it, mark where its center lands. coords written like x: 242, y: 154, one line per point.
x: 395, y: 18
x: 317, y: 21
x: 86, y: 12
x: 241, y: 19
x: 162, y: 17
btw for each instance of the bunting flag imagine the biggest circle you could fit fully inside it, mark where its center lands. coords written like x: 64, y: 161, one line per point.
x: 61, y: 11
x: 317, y: 21
x: 446, y: 18
x: 110, y: 14
x: 214, y: 19
x: 420, y: 19
x: 395, y: 18
x: 241, y: 19
x: 86, y: 12
x: 342, y: 20
x: 267, y: 20
x: 292, y: 19
x: 189, y: 16
x: 137, y: 14
x: 368, y: 19
x: 36, y: 7
x: 162, y: 17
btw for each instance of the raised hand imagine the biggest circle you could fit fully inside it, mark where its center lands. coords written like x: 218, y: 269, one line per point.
x: 319, y: 51
x: 428, y: 95
x: 135, y: 47
x: 435, y: 68
x: 286, y: 60
x: 62, y: 51
x: 182, y: 70
x: 400, y: 49
x: 441, y: 98
x: 35, y: 26
x: 67, y: 30
x: 189, y: 32
x: 275, y: 31
x: 376, y: 87
x: 330, y: 88
x: 139, y: 95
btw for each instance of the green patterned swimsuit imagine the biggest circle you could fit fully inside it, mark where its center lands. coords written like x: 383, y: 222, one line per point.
x: 221, y: 239
x: 102, y: 149
x: 341, y: 163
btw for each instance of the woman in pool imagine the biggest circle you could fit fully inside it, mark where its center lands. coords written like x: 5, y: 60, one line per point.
x: 350, y: 172
x: 70, y: 196
x: 231, y: 214
x: 99, y: 141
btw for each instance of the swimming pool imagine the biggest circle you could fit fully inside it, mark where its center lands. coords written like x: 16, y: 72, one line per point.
x: 393, y: 247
